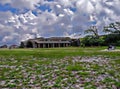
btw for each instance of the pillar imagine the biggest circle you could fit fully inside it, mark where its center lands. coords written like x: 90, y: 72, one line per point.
x: 48, y: 45
x: 53, y: 45
x: 43, y: 45
x: 66, y: 45
x: 38, y: 45
x: 63, y: 44
x: 58, y: 44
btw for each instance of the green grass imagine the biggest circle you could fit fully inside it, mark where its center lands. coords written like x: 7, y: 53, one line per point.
x: 58, y: 68
x: 57, y: 52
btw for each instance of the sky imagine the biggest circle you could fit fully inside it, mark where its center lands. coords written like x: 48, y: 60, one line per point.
x: 25, y: 19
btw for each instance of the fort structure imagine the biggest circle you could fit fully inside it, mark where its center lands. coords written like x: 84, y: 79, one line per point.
x: 50, y: 42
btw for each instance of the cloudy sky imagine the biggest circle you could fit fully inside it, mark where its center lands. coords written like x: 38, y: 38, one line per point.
x: 24, y: 19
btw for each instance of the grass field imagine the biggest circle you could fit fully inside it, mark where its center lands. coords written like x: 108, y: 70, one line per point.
x: 60, y: 68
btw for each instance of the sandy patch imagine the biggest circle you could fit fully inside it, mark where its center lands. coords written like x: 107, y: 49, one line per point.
x: 106, y: 50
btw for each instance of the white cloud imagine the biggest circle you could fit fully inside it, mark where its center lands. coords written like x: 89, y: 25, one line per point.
x: 21, y: 4
x: 58, y: 6
x: 65, y: 3
x: 60, y: 21
x: 5, y: 1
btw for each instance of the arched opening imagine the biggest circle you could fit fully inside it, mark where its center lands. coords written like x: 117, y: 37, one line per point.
x: 29, y: 44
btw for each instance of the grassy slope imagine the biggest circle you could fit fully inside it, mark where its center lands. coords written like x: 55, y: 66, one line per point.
x: 36, y: 67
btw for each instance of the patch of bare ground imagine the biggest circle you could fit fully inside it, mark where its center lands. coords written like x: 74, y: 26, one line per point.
x: 106, y: 50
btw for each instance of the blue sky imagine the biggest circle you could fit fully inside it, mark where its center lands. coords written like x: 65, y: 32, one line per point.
x: 7, y: 7
x: 25, y: 19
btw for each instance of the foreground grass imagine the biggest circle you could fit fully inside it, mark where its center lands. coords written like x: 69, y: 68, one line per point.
x: 60, y: 68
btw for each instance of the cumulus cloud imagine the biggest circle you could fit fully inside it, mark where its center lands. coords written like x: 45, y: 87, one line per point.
x: 5, y: 1
x: 54, y: 18
x: 29, y: 4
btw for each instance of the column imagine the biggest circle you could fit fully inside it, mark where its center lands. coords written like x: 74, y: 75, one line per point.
x: 58, y: 44
x: 63, y: 44
x: 43, y: 45
x: 53, y: 45
x: 66, y: 45
x: 38, y: 45
x: 48, y: 45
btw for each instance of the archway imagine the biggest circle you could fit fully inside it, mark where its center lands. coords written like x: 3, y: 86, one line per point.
x: 29, y: 44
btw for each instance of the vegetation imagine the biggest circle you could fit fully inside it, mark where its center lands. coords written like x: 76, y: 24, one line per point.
x: 60, y: 68
x: 111, y: 37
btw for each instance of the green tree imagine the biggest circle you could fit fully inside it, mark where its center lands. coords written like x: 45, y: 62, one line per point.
x: 93, y: 30
x: 22, y: 45
x: 92, y: 40
x: 113, y: 28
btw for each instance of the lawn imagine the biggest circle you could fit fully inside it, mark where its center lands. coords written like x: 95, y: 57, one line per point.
x: 60, y: 68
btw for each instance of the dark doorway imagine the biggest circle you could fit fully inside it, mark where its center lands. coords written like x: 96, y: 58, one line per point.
x: 29, y: 44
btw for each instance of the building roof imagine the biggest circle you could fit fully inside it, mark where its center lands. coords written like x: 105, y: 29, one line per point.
x: 51, y: 41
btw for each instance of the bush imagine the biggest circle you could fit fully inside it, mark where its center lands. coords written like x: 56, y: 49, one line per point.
x: 92, y: 41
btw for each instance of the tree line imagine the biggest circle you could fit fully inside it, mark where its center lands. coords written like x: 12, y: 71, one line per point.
x: 111, y: 36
